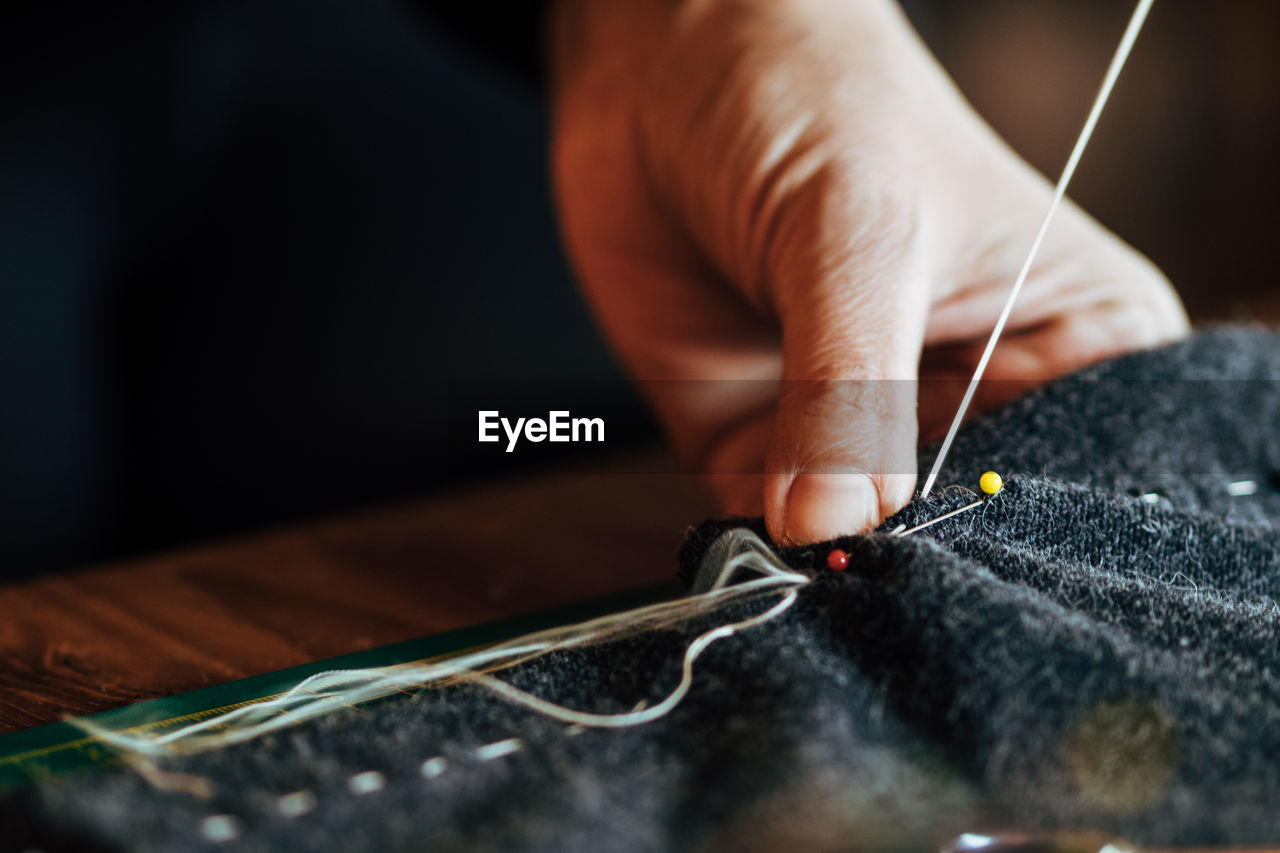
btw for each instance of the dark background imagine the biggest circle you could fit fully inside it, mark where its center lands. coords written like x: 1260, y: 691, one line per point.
x: 247, y: 248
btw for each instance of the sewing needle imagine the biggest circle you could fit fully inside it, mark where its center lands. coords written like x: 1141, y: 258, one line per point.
x: 1104, y: 93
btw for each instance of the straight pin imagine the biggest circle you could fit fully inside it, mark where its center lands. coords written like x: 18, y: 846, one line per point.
x: 942, y: 517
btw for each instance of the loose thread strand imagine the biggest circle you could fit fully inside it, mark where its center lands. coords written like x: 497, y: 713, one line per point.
x: 329, y: 691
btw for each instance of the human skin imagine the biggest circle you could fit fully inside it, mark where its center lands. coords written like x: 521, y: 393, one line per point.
x: 793, y: 192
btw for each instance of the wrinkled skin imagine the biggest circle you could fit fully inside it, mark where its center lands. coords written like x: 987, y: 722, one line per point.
x: 794, y: 190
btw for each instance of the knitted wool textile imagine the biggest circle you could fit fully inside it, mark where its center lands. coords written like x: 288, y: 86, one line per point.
x: 1070, y: 654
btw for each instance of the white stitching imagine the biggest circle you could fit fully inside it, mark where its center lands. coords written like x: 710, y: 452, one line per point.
x: 499, y: 749
x: 296, y: 804
x: 220, y: 827
x: 367, y: 782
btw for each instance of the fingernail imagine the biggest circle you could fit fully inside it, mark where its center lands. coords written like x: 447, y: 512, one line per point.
x: 824, y: 506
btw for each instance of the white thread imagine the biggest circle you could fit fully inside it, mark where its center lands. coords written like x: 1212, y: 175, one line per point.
x: 329, y: 691
x: 168, y: 780
x: 899, y: 531
x: 1242, y: 488
x: 1104, y: 94
x: 499, y: 749
x: 296, y: 804
x: 635, y: 718
x: 220, y: 827
x: 368, y: 782
x: 575, y: 730
x: 1151, y: 498
x: 433, y: 767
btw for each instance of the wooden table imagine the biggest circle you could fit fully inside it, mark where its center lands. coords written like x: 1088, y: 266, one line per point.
x: 107, y: 636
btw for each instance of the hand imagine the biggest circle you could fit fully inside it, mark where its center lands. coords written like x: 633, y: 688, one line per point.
x: 794, y: 190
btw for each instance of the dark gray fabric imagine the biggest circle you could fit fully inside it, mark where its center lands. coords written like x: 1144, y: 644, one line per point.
x: 1069, y: 654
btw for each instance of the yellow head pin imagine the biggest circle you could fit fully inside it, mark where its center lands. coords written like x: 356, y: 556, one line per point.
x: 991, y: 482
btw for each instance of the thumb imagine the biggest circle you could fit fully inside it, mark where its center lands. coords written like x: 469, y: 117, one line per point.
x: 843, y: 452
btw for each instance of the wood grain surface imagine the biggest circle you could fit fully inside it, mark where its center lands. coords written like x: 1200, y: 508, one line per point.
x: 107, y: 636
